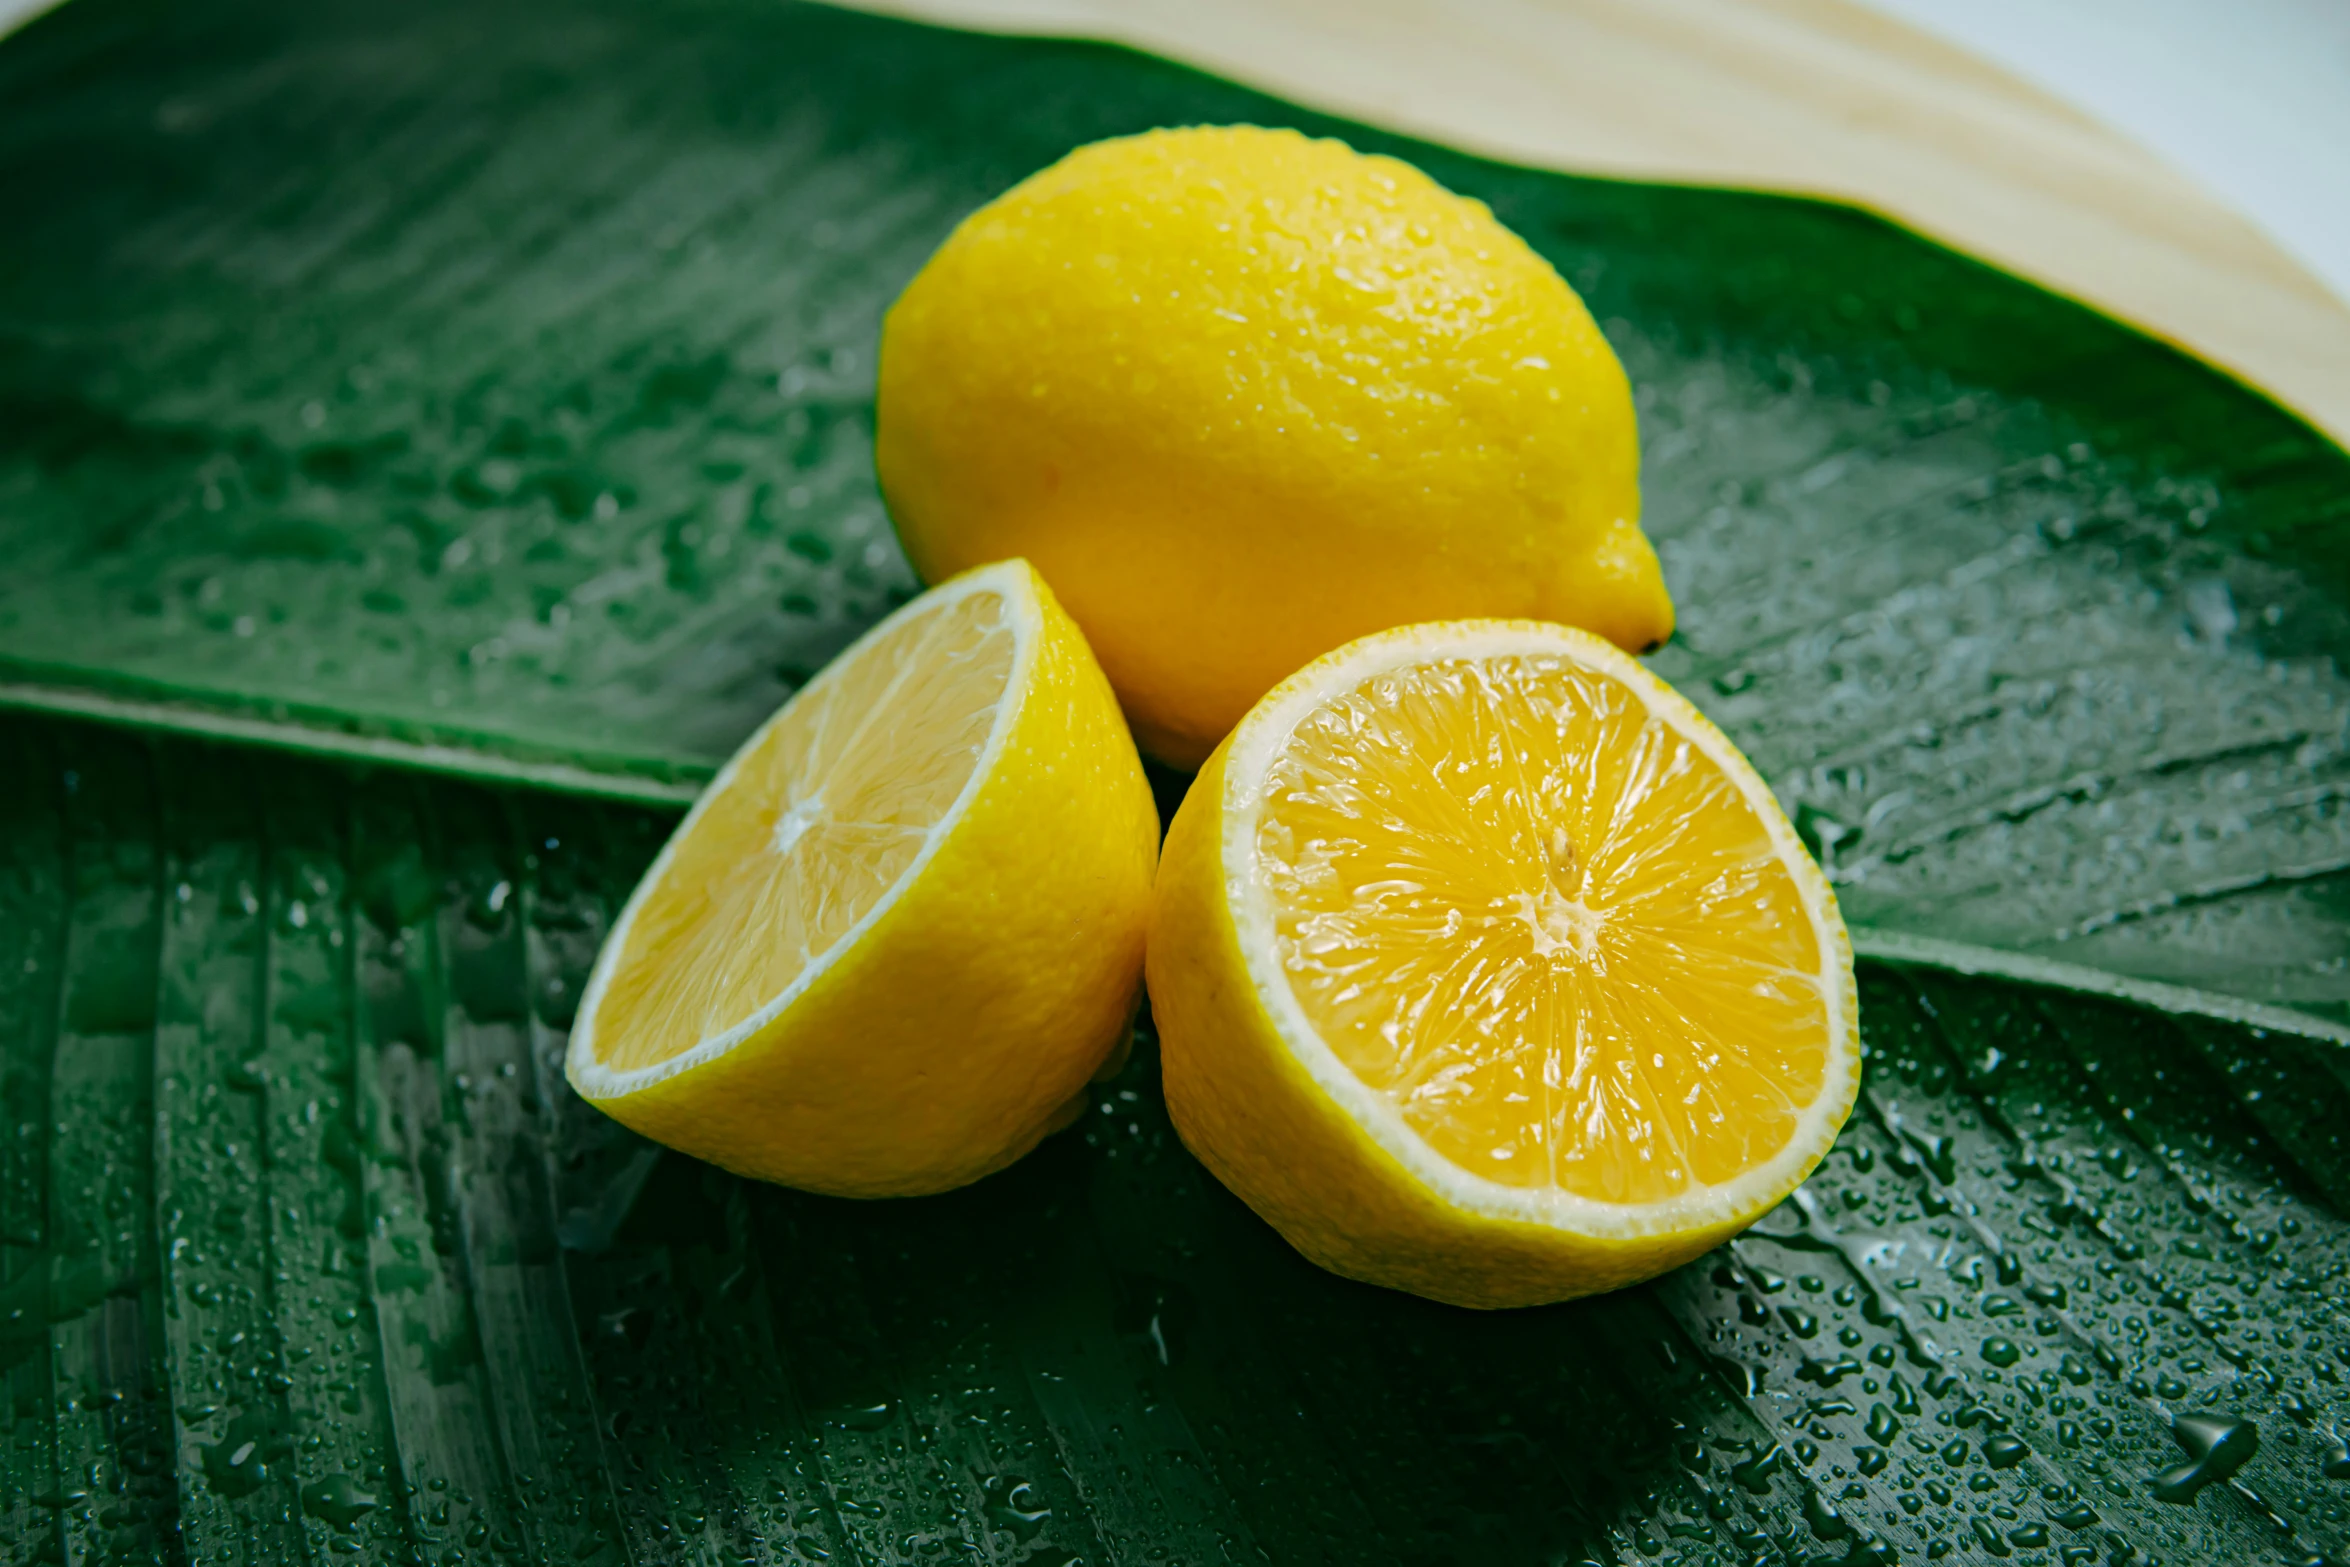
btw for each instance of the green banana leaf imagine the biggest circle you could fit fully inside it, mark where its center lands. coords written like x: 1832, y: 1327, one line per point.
x: 486, y: 387
x: 490, y: 385
x: 312, y: 1254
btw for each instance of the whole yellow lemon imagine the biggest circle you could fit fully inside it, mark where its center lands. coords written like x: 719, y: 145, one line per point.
x: 1243, y: 396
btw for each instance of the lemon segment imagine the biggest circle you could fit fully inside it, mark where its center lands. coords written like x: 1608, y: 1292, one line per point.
x: 903, y: 926
x: 1486, y: 967
x: 1242, y: 396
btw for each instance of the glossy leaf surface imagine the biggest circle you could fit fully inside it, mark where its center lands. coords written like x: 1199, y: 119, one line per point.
x: 489, y: 385
x: 308, y: 1248
x: 492, y: 384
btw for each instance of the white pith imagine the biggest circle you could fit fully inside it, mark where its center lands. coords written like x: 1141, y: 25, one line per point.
x: 1267, y: 730
x: 590, y: 1076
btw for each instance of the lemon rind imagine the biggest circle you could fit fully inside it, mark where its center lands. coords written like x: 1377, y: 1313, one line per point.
x: 1013, y: 580
x: 1254, y: 745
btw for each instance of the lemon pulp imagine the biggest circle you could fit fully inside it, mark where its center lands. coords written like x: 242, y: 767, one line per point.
x: 903, y: 926
x: 1542, y: 922
x: 819, y: 820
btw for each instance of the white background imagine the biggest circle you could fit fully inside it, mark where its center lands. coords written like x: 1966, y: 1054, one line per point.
x: 2250, y: 98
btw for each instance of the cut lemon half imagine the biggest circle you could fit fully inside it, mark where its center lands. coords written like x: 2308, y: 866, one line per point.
x: 904, y: 924
x: 1485, y: 967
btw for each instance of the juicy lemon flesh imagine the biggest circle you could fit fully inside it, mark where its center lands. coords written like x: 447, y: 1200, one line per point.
x: 1543, y: 925
x: 820, y: 821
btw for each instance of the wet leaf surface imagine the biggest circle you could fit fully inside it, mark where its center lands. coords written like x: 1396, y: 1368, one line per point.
x: 327, y: 1260
x: 490, y: 386
x: 493, y: 384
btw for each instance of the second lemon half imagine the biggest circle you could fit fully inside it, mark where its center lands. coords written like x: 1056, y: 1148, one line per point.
x: 1486, y: 968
